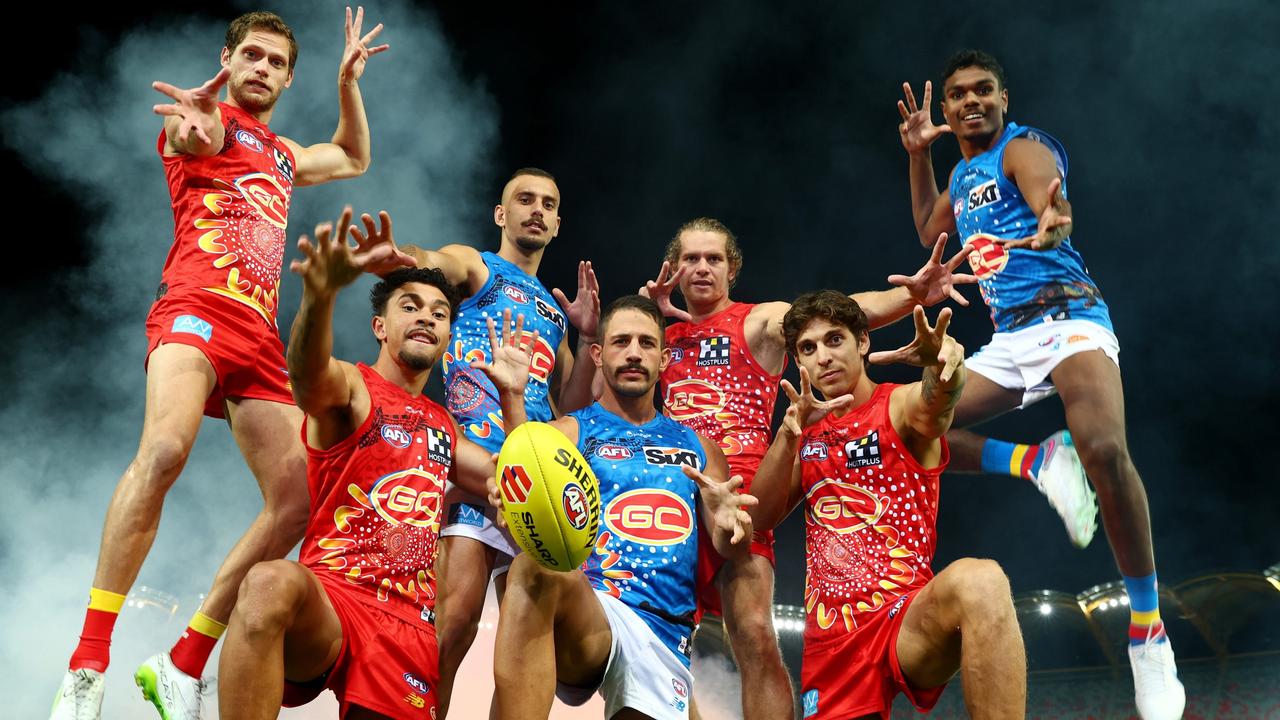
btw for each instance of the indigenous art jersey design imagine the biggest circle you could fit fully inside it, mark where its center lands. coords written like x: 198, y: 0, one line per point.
x: 469, y: 394
x: 230, y: 212
x: 870, y: 517
x: 716, y: 387
x: 1021, y: 286
x: 647, y: 551
x: 376, y: 501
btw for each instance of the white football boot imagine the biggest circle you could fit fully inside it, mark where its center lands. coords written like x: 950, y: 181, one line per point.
x: 1062, y: 480
x: 176, y: 695
x: 1158, y: 692
x: 79, y: 696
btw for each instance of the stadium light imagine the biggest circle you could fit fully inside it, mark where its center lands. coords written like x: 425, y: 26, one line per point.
x: 1045, y: 608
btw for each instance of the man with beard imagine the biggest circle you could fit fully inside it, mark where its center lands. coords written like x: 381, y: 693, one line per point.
x: 213, y: 347
x: 622, y: 624
x: 491, y: 284
x: 1053, y: 332
x: 355, y: 614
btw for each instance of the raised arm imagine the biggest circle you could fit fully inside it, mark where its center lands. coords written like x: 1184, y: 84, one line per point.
x: 347, y: 154
x: 461, y: 264
x: 930, y: 209
x: 193, y: 121
x: 777, y: 482
x: 924, y: 410
x: 722, y: 508
x: 571, y: 381
x: 508, y: 367
x: 930, y: 285
x: 1034, y: 169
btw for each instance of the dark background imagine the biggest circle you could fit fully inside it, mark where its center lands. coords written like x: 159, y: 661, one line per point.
x: 780, y: 120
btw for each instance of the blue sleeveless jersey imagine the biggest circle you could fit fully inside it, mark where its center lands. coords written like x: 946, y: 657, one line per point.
x: 647, y: 551
x: 1021, y: 286
x: 469, y: 395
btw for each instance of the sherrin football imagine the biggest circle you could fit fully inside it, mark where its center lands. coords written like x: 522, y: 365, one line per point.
x: 550, y: 497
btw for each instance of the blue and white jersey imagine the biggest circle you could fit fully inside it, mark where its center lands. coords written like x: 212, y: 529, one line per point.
x: 647, y: 551
x: 469, y: 395
x: 1021, y: 286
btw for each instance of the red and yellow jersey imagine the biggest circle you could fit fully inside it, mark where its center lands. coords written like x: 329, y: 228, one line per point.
x: 714, y: 386
x: 230, y: 212
x: 871, y: 514
x: 376, y: 500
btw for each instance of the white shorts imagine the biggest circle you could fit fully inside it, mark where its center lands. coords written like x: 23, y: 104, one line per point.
x: 642, y: 674
x: 1023, y: 359
x: 472, y: 517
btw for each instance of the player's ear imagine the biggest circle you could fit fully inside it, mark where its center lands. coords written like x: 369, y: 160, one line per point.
x: 665, y: 360
x: 225, y: 58
x: 596, y: 352
x: 555, y: 231
x: 289, y: 80
x: 1004, y: 99
x: 379, y: 329
x: 499, y: 215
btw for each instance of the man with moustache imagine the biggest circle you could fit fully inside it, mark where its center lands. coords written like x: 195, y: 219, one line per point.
x: 213, y: 347
x: 493, y: 283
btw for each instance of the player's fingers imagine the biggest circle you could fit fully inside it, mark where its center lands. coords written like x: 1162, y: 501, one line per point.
x: 369, y: 36
x: 902, y: 110
x: 883, y: 357
x: 298, y: 266
x: 960, y: 299
x: 790, y: 390
x: 703, y: 481
x: 943, y: 128
x: 216, y: 82
x: 921, y: 322
x: 944, y: 320
x: 561, y: 298
x: 1016, y: 242
x: 204, y: 136
x: 747, y: 500
x: 517, y: 338
x: 804, y: 381
x: 911, y: 98
x: 166, y: 110
x: 493, y: 334
x: 938, y: 245
x: 959, y: 257
x: 170, y: 90
x: 1055, y: 186
x: 928, y: 93
x: 344, y: 221
x: 899, y: 280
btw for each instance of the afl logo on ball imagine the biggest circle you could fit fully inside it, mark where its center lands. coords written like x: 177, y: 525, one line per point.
x: 575, y: 506
x: 396, y: 436
x: 247, y: 139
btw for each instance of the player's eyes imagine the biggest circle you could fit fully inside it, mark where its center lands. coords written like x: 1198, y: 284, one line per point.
x: 439, y: 315
x: 549, y: 206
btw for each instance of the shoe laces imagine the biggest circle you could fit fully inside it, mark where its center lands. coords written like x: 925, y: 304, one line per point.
x: 82, y: 688
x: 1152, y: 665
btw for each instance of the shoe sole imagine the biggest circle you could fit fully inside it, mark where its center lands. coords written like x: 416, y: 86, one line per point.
x: 145, y: 679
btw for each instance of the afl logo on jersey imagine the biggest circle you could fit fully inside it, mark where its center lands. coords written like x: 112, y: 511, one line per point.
x: 989, y: 256
x: 249, y: 140
x: 843, y: 508
x: 613, y: 452
x: 691, y: 398
x: 957, y: 207
x: 396, y: 436
x: 653, y: 517
x: 408, y: 497
x: 677, y: 354
x: 813, y: 451
x: 516, y: 294
x: 574, y: 501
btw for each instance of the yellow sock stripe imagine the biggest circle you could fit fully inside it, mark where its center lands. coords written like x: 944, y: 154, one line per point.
x: 207, y: 626
x: 105, y: 600
x: 1144, y: 617
x: 1015, y: 460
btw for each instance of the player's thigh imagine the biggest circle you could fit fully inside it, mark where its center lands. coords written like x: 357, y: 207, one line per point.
x: 928, y: 641
x: 179, y: 380
x: 312, y: 628
x: 1092, y: 396
x: 269, y: 436
x: 983, y: 399
x: 582, y: 634
x: 463, y: 571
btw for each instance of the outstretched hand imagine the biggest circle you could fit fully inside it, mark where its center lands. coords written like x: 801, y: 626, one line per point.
x: 806, y: 409
x: 725, y: 504
x: 357, y: 50
x: 331, y: 263
x: 917, y: 129
x: 509, y: 356
x: 379, y: 244
x: 934, y: 281
x: 197, y: 107
x: 495, y: 497
x: 659, y: 291
x: 584, y: 311
x: 931, y: 346
x: 1054, y: 225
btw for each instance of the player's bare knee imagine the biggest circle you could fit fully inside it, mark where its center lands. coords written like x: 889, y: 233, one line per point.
x: 270, y: 595
x: 529, y: 579
x: 753, y: 637
x: 159, y: 460
x: 1106, y: 461
x: 979, y: 585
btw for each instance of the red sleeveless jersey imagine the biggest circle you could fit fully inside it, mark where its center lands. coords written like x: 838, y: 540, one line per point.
x: 229, y: 215
x: 376, y: 499
x: 714, y: 386
x: 871, y: 513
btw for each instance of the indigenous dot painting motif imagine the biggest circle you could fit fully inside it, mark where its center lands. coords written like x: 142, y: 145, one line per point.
x: 870, y: 516
x: 376, y: 500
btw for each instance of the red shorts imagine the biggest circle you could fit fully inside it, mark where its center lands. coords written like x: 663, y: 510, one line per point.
x: 246, y: 354
x: 387, y: 664
x: 857, y: 673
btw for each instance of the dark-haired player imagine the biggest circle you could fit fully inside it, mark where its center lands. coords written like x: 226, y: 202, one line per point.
x: 493, y: 283
x: 865, y: 463
x: 722, y: 381
x: 213, y: 346
x: 355, y: 614
x: 623, y: 624
x: 1008, y: 198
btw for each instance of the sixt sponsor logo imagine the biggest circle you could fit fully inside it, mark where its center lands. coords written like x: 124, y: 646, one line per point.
x: 548, y: 312
x: 396, y: 436
x: 985, y: 194
x: 409, y: 497
x: 416, y: 683
x: 590, y: 491
x: 843, y: 508
x: 613, y: 452
x: 654, y: 517
x: 574, y: 502
x: 670, y: 456
x: 813, y: 451
x: 193, y: 325
x: 515, y: 484
x: 516, y: 294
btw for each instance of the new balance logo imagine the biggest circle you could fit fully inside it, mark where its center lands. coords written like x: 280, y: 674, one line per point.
x: 864, y: 451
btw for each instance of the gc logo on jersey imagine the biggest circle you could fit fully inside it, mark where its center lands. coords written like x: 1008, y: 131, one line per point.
x: 985, y: 194
x: 396, y: 436
x: 409, y: 497
x: 713, y: 351
x: 864, y: 451
x: 989, y: 255
x: 439, y: 446
x: 548, y: 312
x: 843, y: 507
x: 653, y: 517
x: 670, y: 456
